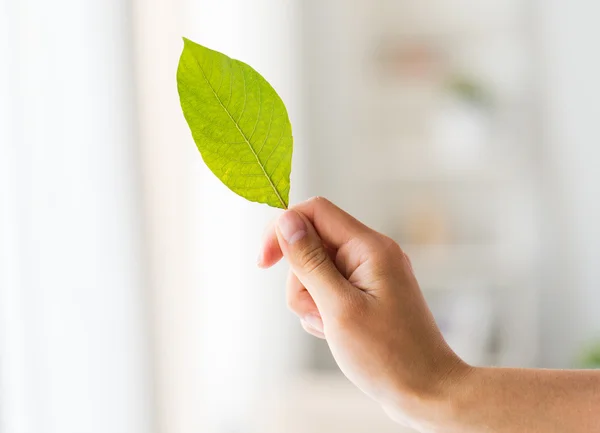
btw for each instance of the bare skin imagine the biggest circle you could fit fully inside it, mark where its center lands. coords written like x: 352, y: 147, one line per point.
x: 355, y: 288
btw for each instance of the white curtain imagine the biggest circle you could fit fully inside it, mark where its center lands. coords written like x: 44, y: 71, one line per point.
x: 129, y: 296
x: 73, y: 335
x: 224, y: 339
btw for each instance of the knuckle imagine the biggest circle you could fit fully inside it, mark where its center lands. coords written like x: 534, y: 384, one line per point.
x: 372, y: 241
x: 318, y: 201
x: 392, y: 246
x: 313, y: 258
x: 408, y: 261
x: 385, y: 242
x: 318, y: 198
x: 385, y: 247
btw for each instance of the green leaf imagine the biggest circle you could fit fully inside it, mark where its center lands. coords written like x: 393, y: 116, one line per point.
x: 238, y: 122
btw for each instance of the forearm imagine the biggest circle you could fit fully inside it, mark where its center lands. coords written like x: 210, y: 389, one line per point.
x: 518, y: 400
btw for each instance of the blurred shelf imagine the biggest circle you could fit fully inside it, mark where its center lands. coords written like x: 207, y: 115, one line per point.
x: 450, y: 254
x: 443, y: 17
x: 446, y: 176
x: 450, y: 34
x: 412, y: 156
x: 453, y: 266
x: 456, y: 267
x: 399, y: 166
x: 389, y: 170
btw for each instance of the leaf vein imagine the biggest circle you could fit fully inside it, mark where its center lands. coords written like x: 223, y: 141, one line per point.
x: 283, y: 203
x: 259, y: 110
x: 245, y: 98
x: 230, y: 83
x: 268, y: 131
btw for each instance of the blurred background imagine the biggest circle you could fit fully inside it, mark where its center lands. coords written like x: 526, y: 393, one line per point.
x: 129, y: 297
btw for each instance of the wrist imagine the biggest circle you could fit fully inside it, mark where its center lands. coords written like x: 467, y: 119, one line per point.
x: 445, y: 413
x: 436, y: 407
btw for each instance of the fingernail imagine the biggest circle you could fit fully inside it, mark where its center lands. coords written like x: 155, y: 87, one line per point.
x: 314, y: 322
x: 291, y: 226
x: 259, y: 259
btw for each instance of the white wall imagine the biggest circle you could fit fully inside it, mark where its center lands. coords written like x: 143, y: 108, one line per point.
x: 570, y: 68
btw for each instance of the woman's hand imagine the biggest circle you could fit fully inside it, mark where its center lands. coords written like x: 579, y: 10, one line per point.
x: 355, y: 288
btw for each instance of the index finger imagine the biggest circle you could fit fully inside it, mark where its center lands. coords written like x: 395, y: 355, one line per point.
x: 333, y: 225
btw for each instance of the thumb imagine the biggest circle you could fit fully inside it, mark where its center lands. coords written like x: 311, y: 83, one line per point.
x: 306, y: 254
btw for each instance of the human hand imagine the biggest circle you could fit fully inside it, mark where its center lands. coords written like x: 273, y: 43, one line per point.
x: 355, y: 288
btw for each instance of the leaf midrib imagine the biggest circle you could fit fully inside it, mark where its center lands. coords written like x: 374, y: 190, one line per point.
x: 283, y: 203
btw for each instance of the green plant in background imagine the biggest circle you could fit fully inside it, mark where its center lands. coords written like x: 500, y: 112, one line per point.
x: 239, y: 123
x: 590, y: 357
x: 470, y: 90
